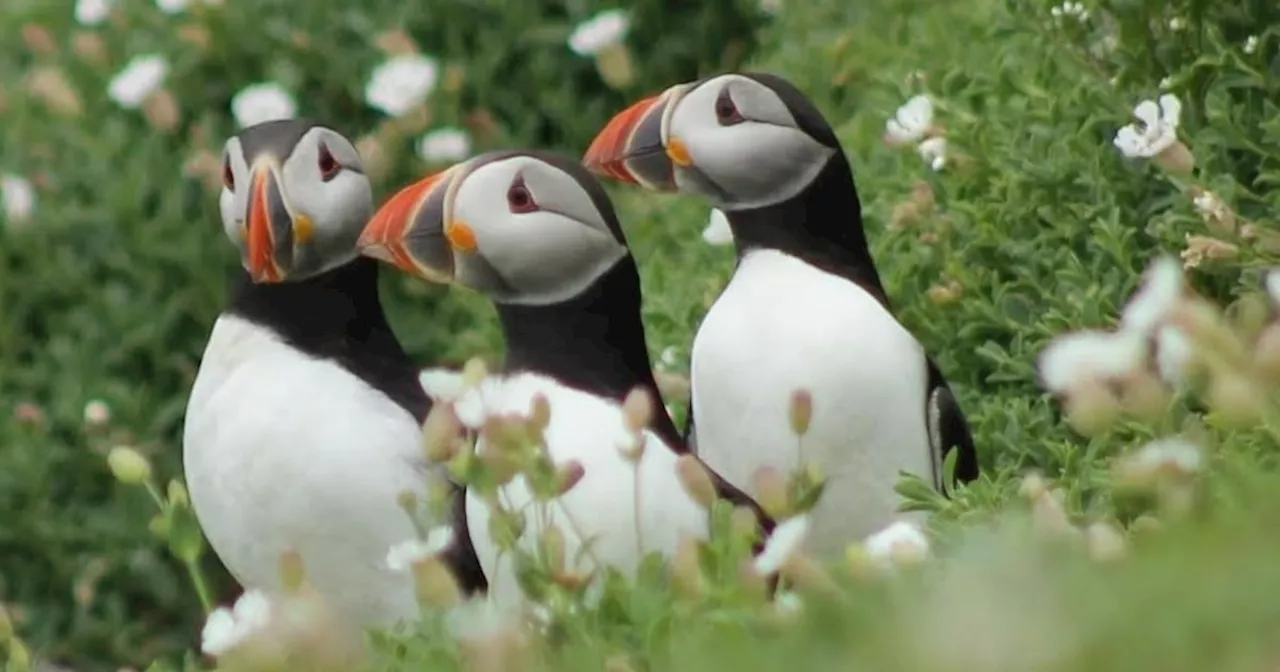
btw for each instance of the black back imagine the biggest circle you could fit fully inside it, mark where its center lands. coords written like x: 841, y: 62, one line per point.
x: 338, y: 316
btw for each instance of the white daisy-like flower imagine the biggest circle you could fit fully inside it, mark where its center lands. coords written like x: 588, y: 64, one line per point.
x: 934, y: 152
x: 442, y: 384
x: 97, y: 412
x: 1273, y: 286
x: 265, y: 101
x: 1251, y: 44
x: 478, y: 619
x: 786, y: 539
x: 1174, y: 351
x: 225, y: 629
x: 900, y: 542
x: 1209, y: 205
x: 1165, y: 455
x: 18, y: 197
x: 1177, y: 23
x: 403, y: 555
x: 606, y: 29
x: 1071, y: 9
x: 137, y: 80
x: 402, y: 83
x: 1084, y: 355
x: 1150, y: 305
x: 1157, y: 132
x: 92, y: 12
x: 718, y: 231
x: 445, y: 145
x: 910, y: 123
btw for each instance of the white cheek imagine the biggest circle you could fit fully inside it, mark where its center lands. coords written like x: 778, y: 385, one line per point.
x: 758, y: 164
x: 539, y: 249
x: 232, y: 213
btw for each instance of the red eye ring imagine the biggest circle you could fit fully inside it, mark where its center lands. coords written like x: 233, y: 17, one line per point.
x: 519, y: 198
x: 228, y: 177
x: 329, y: 166
x: 727, y: 113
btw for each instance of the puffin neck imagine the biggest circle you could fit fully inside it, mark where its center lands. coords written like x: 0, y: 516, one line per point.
x: 338, y: 316
x: 593, y: 342
x: 822, y: 225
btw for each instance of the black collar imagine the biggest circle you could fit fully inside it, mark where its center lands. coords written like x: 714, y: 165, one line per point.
x: 593, y: 342
x: 821, y: 225
x: 337, y: 316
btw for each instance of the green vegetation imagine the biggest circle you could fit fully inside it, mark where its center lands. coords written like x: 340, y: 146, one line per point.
x: 1034, y: 225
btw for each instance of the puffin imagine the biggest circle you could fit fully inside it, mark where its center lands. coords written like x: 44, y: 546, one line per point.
x: 303, y: 425
x: 804, y: 310
x: 536, y: 234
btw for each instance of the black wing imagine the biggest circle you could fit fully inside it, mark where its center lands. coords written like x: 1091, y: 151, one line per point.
x: 948, y: 429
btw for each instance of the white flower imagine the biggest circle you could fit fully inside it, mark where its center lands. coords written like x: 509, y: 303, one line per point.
x: 1074, y: 9
x: 402, y: 556
x: 478, y: 618
x: 225, y: 629
x: 97, y: 412
x: 261, y: 102
x: 934, y: 152
x: 1177, y: 23
x: 442, y: 384
x: 668, y: 358
x: 1273, y: 286
x: 1174, y: 455
x: 1158, y: 131
x: 1208, y: 204
x: 1161, y: 289
x: 786, y: 539
x: 898, y: 543
x: 18, y: 198
x: 1165, y: 83
x: 402, y: 83
x: 173, y: 7
x: 911, y: 121
x: 1083, y: 355
x: 1173, y: 353
x: 605, y: 29
x: 1251, y: 44
x: 718, y: 231
x: 139, y: 78
x: 92, y: 12
x: 445, y: 145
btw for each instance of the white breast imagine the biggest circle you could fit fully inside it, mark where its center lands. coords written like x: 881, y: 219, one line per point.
x: 783, y: 325
x: 629, y: 509
x: 283, y: 451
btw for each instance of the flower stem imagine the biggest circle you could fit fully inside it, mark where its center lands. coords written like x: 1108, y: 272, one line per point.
x: 197, y: 582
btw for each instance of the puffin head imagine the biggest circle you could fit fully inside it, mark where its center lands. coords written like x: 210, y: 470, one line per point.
x: 740, y: 141
x: 294, y: 199
x: 523, y: 227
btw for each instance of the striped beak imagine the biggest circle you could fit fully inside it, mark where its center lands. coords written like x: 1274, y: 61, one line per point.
x: 410, y: 232
x: 271, y: 231
x: 635, y: 146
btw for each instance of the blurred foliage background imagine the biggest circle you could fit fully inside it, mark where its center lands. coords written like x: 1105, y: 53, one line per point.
x: 1036, y: 225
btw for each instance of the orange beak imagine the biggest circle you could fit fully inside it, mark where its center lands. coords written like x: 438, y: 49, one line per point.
x: 632, y: 147
x: 269, y: 234
x: 408, y: 231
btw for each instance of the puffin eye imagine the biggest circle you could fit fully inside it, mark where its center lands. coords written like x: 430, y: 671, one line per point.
x: 228, y: 177
x: 329, y: 166
x: 726, y: 111
x: 519, y: 199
